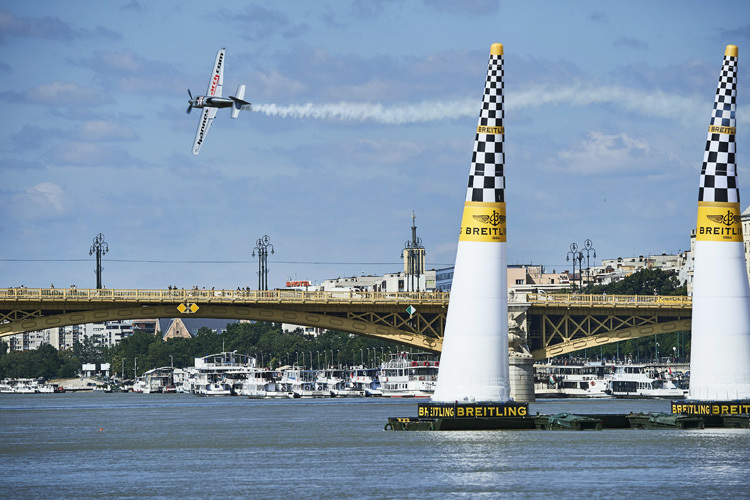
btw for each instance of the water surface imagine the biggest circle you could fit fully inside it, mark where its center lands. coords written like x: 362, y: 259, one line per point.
x: 96, y: 445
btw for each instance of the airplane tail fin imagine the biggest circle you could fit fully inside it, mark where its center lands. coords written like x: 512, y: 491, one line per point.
x: 239, y: 104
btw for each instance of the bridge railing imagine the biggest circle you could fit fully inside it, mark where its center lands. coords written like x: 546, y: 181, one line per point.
x: 611, y: 300
x: 202, y: 295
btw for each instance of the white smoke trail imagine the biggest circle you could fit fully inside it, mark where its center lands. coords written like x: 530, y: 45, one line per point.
x: 391, y: 115
x: 655, y: 104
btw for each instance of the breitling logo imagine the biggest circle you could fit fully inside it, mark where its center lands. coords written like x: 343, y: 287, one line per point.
x: 495, y: 219
x: 728, y: 220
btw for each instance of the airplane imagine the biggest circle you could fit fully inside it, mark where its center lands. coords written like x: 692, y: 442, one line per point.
x: 213, y: 100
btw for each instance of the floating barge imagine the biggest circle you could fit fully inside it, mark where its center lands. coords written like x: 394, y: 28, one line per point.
x: 665, y: 421
x: 567, y: 422
x: 515, y: 416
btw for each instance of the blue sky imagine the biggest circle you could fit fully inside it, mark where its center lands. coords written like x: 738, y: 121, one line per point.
x: 607, y: 109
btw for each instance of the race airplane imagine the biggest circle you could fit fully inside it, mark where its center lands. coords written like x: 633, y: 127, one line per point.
x: 212, y: 101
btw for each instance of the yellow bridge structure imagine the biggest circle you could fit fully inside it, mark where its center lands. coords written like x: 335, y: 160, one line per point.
x: 552, y: 324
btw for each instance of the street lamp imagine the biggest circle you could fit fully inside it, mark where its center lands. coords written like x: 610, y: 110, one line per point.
x: 99, y: 247
x: 656, y: 349
x: 171, y: 361
x: 262, y: 245
x: 576, y: 255
x: 588, y: 248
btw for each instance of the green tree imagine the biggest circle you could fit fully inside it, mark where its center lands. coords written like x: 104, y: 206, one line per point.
x: 644, y: 282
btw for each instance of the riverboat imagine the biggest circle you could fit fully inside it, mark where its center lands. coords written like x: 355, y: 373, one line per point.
x: 302, y: 383
x: 365, y: 381
x: 221, y: 374
x: 158, y: 379
x: 25, y: 386
x: 409, y: 375
x: 572, y: 380
x: 643, y: 381
x: 262, y: 383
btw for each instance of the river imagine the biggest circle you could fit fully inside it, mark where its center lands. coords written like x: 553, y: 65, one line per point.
x: 120, y: 446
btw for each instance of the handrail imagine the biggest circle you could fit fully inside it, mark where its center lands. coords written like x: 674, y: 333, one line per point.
x: 142, y: 295
x: 243, y: 296
x: 609, y: 300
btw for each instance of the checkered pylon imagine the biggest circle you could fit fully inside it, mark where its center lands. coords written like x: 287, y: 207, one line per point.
x: 486, y: 181
x: 719, y: 173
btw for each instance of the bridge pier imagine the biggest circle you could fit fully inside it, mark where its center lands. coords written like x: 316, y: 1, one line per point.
x: 521, y: 378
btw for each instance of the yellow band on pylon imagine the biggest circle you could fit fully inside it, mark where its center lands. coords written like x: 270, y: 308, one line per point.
x: 482, y: 129
x: 718, y: 221
x: 483, y: 222
x: 731, y: 51
x: 497, y: 49
x: 716, y: 129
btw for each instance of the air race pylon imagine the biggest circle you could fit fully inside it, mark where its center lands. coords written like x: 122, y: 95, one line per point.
x: 474, y: 360
x: 720, y: 349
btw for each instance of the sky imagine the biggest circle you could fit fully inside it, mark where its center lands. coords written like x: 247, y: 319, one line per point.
x: 364, y: 112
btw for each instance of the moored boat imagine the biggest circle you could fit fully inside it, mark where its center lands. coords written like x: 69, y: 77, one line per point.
x: 409, y: 375
x: 572, y: 380
x: 643, y: 381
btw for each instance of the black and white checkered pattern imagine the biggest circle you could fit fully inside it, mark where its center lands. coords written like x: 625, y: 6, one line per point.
x: 719, y: 173
x: 486, y: 181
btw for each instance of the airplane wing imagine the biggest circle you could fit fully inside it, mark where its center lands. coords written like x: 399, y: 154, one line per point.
x: 217, y: 76
x: 207, y: 117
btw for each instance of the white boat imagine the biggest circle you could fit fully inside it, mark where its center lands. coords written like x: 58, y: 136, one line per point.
x: 409, y: 375
x: 220, y: 374
x: 339, y: 382
x: 365, y: 380
x: 215, y: 389
x: 158, y: 379
x: 140, y: 384
x: 302, y: 383
x: 572, y: 381
x: 263, y: 383
x: 643, y: 381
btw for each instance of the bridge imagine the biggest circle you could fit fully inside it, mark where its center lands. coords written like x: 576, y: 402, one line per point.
x: 554, y: 324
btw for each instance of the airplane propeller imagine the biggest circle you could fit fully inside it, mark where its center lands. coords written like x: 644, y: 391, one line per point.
x: 191, y: 101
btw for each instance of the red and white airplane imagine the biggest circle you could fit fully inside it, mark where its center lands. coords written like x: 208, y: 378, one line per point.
x: 213, y: 100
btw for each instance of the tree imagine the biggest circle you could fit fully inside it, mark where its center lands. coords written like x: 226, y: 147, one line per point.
x: 644, y: 282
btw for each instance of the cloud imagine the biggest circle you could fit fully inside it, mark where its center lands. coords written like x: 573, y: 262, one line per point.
x: 88, y: 154
x: 44, y: 200
x: 259, y: 23
x: 46, y: 27
x: 468, y: 8
x: 126, y: 71
x: 65, y: 94
x: 102, y: 130
x: 741, y: 33
x: 17, y: 164
x: 631, y: 43
x: 604, y: 154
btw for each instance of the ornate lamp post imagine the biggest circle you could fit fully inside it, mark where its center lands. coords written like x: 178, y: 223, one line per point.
x: 99, y: 247
x: 261, y: 246
x: 589, y: 249
x: 576, y: 256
